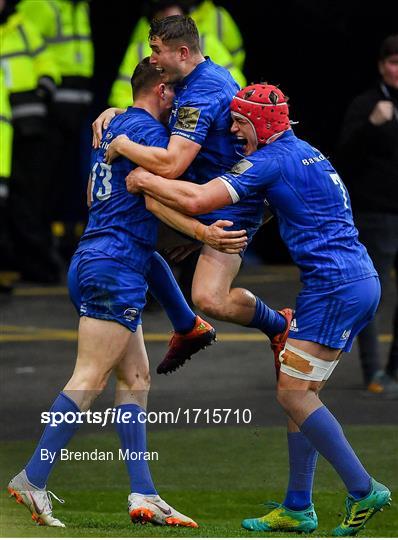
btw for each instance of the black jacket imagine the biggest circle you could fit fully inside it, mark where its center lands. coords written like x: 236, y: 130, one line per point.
x: 367, y: 156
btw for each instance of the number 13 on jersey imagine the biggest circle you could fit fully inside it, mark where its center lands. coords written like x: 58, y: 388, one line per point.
x: 102, y: 172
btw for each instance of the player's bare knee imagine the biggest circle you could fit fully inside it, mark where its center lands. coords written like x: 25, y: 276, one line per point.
x: 90, y: 378
x: 134, y: 378
x: 142, y: 380
x: 288, y: 397
x: 199, y: 298
x: 209, y: 304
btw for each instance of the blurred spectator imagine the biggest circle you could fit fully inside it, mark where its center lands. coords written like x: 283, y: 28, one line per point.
x: 210, y: 46
x: 209, y: 18
x: 65, y: 28
x: 30, y: 77
x: 368, y: 156
x: 6, y: 280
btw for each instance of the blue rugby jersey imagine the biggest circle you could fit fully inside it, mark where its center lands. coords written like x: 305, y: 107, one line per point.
x: 312, y: 206
x: 119, y: 224
x: 201, y: 113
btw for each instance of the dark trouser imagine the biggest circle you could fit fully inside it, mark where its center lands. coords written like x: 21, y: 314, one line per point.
x: 68, y: 202
x: 64, y: 170
x: 379, y: 233
x: 29, y: 218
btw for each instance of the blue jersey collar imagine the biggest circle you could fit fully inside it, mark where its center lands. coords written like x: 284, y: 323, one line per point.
x: 138, y: 110
x: 195, y: 73
x: 288, y: 134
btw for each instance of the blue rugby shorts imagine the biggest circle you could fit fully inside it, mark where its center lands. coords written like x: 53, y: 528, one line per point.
x: 334, y: 317
x: 102, y: 287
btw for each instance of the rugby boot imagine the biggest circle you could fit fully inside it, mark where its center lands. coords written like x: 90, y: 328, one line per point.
x: 278, y: 342
x: 359, y: 511
x: 183, y: 346
x: 281, y: 518
x: 152, y: 509
x: 37, y: 501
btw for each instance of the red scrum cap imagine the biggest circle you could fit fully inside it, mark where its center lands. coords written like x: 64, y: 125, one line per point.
x: 265, y: 106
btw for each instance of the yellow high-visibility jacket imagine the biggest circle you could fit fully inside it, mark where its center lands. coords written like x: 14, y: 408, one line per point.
x: 210, y: 19
x: 23, y: 55
x: 5, y: 130
x: 26, y: 64
x: 210, y: 46
x: 65, y: 27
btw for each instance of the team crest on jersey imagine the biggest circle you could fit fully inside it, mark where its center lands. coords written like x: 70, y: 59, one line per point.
x: 130, y: 314
x: 109, y: 135
x: 293, y: 326
x: 242, y: 166
x: 187, y: 118
x: 346, y: 334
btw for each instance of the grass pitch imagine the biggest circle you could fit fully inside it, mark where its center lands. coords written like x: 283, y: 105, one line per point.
x: 216, y: 476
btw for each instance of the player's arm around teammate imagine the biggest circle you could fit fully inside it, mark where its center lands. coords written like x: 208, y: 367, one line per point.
x: 331, y: 309
x: 199, y: 125
x: 212, y: 235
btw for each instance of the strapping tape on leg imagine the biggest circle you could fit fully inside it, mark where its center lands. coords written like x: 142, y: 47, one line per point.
x: 302, y: 365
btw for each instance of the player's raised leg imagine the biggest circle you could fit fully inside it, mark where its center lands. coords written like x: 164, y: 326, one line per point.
x: 212, y: 292
x: 191, y: 332
x: 132, y: 387
x: 101, y: 346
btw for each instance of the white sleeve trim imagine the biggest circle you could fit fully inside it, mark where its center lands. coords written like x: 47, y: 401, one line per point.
x: 234, y: 195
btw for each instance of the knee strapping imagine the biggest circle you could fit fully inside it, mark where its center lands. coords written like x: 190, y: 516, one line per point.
x: 301, y: 365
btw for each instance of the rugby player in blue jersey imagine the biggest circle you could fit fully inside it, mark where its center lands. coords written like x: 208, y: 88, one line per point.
x: 202, y: 145
x: 339, y: 297
x: 107, y: 284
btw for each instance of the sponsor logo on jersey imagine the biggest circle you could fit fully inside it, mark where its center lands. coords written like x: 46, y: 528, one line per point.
x: 130, y: 314
x: 187, y: 118
x: 242, y: 166
x: 313, y: 159
x: 346, y: 334
x: 293, y: 326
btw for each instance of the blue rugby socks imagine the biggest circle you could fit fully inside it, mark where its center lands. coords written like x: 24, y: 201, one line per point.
x: 302, y: 460
x: 326, y: 435
x: 54, y: 438
x: 133, y: 438
x: 165, y: 289
x: 267, y: 320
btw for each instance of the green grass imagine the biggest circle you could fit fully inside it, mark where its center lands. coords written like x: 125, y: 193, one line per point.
x: 217, y: 476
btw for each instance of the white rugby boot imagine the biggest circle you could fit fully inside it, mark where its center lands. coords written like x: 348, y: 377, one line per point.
x: 37, y: 501
x: 153, y: 509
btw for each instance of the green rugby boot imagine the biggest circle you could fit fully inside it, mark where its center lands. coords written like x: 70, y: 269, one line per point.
x: 283, y: 519
x: 359, y: 511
